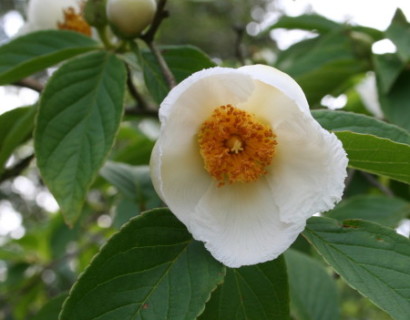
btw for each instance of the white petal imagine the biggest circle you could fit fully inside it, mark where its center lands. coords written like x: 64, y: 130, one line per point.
x: 240, y: 224
x: 277, y: 79
x: 193, y: 100
x: 308, y: 170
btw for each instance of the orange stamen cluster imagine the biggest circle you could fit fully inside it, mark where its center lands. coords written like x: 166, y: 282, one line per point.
x: 235, y: 146
x: 74, y: 21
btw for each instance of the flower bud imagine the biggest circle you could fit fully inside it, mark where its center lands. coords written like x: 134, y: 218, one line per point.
x: 129, y: 18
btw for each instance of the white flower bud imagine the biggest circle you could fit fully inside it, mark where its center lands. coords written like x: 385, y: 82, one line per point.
x: 130, y: 17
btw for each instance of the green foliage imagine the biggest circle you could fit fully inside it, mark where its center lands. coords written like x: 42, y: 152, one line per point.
x: 79, y: 116
x: 372, y: 259
x: 251, y: 292
x: 93, y: 131
x: 36, y: 51
x: 151, y: 269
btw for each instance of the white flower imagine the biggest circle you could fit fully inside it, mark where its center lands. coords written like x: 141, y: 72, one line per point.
x: 55, y: 14
x: 131, y: 17
x: 242, y: 163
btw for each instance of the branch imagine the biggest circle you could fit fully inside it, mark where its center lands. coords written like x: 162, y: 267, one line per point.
x: 169, y: 77
x: 30, y: 83
x: 240, y: 32
x: 377, y: 184
x: 142, y: 104
x: 134, y: 111
x: 16, y: 169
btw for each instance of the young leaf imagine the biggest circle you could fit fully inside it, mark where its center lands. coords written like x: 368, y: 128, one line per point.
x: 258, y: 292
x: 182, y: 61
x: 359, y: 123
x: 79, y: 115
x: 388, y: 68
x: 52, y: 309
x: 15, y: 128
x: 372, y: 259
x: 313, y: 292
x: 36, y: 51
x: 152, y: 269
x: 377, y: 155
x: 384, y: 210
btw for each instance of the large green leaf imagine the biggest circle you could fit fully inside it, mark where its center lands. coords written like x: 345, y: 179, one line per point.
x: 15, y: 128
x: 377, y: 155
x: 328, y: 64
x: 182, y: 61
x: 384, y: 210
x: 79, y: 115
x: 313, y: 292
x: 36, y: 51
x: 399, y: 33
x: 372, y: 259
x: 258, y: 292
x: 348, y: 121
x: 151, y: 269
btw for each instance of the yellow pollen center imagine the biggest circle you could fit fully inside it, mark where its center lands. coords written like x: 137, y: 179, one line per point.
x: 75, y: 22
x: 235, y: 146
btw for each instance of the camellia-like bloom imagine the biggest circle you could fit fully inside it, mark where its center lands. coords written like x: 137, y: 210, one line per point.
x: 56, y: 14
x: 242, y: 163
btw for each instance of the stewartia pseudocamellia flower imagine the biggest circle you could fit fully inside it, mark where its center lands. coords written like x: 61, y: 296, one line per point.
x: 242, y: 163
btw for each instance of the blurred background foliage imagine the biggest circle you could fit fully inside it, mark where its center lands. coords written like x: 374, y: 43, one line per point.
x: 40, y: 260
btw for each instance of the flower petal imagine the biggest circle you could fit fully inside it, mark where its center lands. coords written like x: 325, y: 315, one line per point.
x: 279, y: 80
x: 240, y: 224
x: 308, y: 170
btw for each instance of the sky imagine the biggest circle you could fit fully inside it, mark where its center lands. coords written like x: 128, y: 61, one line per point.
x: 371, y: 13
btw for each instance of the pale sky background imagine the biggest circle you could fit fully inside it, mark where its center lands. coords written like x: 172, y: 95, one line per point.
x: 371, y: 13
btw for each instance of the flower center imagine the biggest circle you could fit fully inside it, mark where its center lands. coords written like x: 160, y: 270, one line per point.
x: 235, y: 146
x: 74, y: 21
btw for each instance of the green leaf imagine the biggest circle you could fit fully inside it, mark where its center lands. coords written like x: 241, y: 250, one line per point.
x: 52, y: 309
x: 313, y: 292
x: 258, y: 292
x: 396, y: 103
x: 151, y: 269
x: 15, y: 128
x: 182, y: 61
x: 399, y: 33
x: 376, y: 208
x: 308, y: 22
x: 36, y: 51
x: 372, y: 259
x: 79, y: 115
x: 377, y: 155
x: 388, y: 68
x: 358, y: 123
x: 329, y: 66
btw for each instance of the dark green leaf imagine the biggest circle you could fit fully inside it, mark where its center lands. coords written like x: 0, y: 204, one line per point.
x: 313, y: 292
x: 15, y: 128
x: 258, y: 292
x: 36, y: 51
x: 372, y: 259
x: 151, y: 269
x: 376, y: 208
x: 79, y: 116
x: 377, y: 155
x: 388, y: 68
x: 396, y: 103
x: 182, y: 61
x: 358, y: 123
x: 399, y: 33
x: 52, y: 309
x: 308, y: 22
